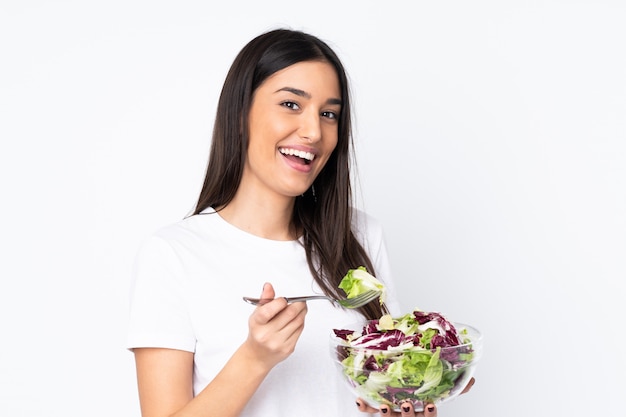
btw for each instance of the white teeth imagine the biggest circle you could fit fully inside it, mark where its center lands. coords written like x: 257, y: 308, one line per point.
x: 300, y: 154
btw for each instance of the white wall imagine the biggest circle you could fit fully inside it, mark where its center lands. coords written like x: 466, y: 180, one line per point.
x: 492, y: 146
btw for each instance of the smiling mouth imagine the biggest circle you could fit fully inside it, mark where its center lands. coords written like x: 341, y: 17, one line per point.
x: 296, y: 155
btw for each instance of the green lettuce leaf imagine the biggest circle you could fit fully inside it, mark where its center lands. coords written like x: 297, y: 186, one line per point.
x: 357, y: 281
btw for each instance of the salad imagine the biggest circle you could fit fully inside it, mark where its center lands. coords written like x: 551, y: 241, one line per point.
x: 421, y: 357
x: 357, y: 281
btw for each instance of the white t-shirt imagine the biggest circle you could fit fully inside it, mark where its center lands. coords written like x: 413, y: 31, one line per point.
x: 188, y: 283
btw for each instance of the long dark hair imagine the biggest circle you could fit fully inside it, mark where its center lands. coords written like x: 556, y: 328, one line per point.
x: 324, y: 212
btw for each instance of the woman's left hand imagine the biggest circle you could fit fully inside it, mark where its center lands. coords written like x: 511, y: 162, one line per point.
x: 406, y: 408
x: 430, y: 410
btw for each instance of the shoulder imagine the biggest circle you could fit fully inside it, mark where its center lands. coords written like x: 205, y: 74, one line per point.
x: 186, y: 229
x: 367, y: 228
x: 170, y: 237
x: 363, y: 221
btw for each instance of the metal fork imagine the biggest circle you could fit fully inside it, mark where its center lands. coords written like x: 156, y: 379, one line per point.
x: 355, y: 302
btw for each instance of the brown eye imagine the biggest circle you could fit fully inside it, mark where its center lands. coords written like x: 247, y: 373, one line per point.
x: 291, y: 105
x: 330, y: 115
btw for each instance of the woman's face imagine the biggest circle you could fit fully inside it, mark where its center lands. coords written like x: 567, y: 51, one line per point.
x: 293, y: 128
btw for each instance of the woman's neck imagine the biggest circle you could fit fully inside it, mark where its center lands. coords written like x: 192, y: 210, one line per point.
x: 266, y: 218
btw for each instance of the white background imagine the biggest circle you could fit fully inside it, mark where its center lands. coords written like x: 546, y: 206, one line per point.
x: 491, y: 141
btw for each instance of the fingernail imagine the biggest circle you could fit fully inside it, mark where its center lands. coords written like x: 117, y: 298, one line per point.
x: 406, y: 408
x: 358, y: 404
x: 384, y: 410
x: 431, y: 408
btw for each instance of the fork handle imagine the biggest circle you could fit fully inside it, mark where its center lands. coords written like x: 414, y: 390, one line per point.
x: 261, y: 301
x: 305, y: 298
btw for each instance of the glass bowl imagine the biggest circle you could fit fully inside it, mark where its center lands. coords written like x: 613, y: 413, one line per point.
x: 406, y: 372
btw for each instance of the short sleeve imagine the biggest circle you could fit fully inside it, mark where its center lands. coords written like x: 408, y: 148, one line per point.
x: 158, y: 314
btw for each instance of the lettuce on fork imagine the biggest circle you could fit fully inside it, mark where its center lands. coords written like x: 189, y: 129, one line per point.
x: 357, y: 281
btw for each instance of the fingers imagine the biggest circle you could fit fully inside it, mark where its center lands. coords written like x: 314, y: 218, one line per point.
x: 364, y: 407
x: 469, y: 386
x: 277, y: 317
x: 385, y: 410
x: 268, y: 291
x: 406, y: 409
x: 430, y: 410
x: 277, y: 312
x: 274, y: 327
x: 268, y: 310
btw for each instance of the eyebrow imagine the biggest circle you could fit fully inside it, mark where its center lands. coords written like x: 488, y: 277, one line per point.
x: 304, y: 94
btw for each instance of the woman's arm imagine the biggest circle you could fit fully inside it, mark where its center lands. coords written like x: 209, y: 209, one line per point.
x: 164, y: 379
x: 165, y: 376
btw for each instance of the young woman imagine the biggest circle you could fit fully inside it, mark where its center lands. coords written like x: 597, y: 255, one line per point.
x: 275, y: 216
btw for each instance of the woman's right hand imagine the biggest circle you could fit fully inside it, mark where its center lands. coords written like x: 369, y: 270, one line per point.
x: 274, y: 328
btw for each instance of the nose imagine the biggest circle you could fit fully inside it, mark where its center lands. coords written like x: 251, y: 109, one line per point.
x: 310, y: 129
